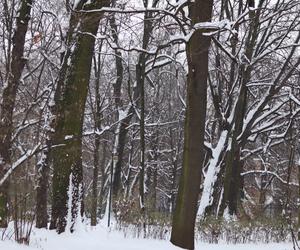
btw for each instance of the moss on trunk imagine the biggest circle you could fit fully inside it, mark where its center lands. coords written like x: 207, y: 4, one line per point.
x: 193, y: 154
x: 70, y: 104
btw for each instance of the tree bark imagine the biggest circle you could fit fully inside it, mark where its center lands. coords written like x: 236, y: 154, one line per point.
x: 193, y: 153
x: 8, y: 102
x: 71, y: 98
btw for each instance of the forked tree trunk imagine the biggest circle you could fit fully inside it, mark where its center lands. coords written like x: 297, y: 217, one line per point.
x: 233, y: 165
x: 8, y: 102
x: 193, y: 153
x: 71, y: 97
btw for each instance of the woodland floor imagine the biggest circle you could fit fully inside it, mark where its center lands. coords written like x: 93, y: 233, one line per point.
x: 102, y: 238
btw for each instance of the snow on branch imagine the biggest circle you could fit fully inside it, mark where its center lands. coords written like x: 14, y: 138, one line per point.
x: 270, y: 173
x: 19, y: 162
x: 218, y: 25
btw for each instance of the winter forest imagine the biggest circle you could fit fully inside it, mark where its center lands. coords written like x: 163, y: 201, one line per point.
x: 149, y: 124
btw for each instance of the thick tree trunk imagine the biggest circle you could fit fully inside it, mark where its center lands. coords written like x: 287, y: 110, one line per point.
x: 8, y: 102
x: 232, y: 181
x: 219, y: 125
x: 193, y: 154
x: 73, y: 87
x: 43, y: 171
x: 233, y: 165
x: 120, y: 147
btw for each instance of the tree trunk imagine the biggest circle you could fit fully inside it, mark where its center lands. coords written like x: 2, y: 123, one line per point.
x: 233, y: 165
x: 140, y: 75
x: 193, y: 153
x: 97, y: 117
x: 8, y: 102
x: 121, y: 131
x: 71, y: 98
x: 138, y: 97
x: 43, y: 168
x: 120, y: 147
x: 42, y: 189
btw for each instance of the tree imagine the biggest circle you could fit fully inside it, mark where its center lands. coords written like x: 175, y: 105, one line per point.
x: 16, y: 66
x: 71, y: 94
x: 97, y: 113
x: 100, y: 107
x: 193, y: 154
x: 249, y: 110
x: 233, y: 164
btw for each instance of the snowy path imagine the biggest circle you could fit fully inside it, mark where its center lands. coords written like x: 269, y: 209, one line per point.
x: 101, y: 239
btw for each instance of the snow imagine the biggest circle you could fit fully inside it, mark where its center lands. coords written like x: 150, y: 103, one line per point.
x: 100, y: 237
x: 69, y: 215
x: 19, y: 162
x: 76, y: 2
x: 211, y: 175
x: 213, y: 25
x: 68, y: 137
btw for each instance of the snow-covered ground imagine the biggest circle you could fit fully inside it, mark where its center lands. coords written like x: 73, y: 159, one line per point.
x: 100, y: 238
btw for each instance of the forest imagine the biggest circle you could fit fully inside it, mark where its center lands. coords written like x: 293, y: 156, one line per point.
x: 169, y: 120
